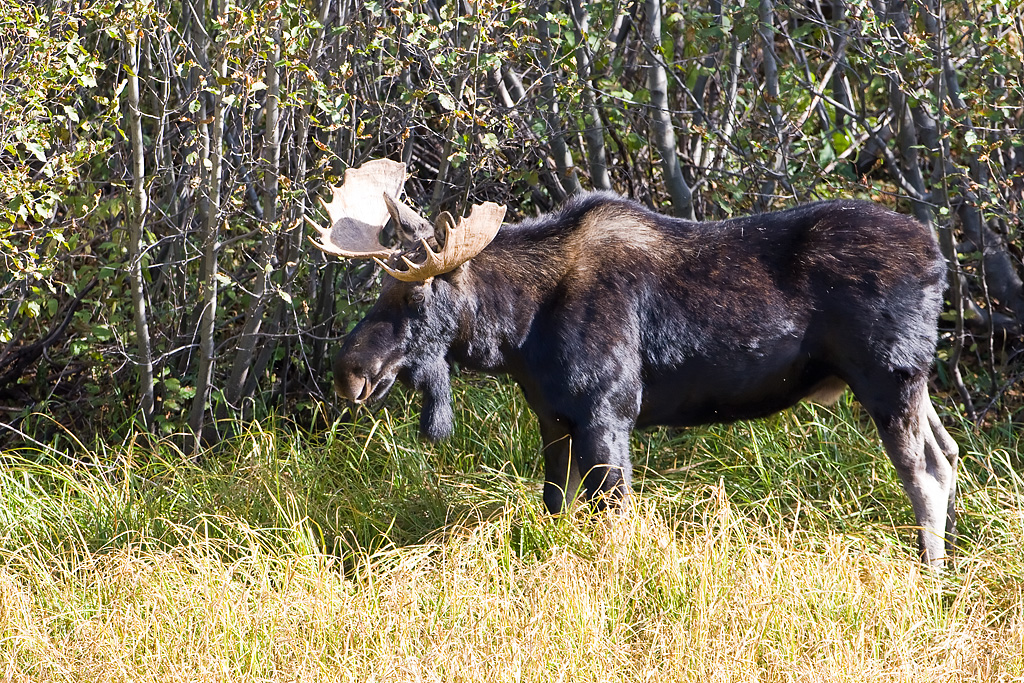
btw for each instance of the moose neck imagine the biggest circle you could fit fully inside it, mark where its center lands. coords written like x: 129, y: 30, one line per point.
x: 500, y: 294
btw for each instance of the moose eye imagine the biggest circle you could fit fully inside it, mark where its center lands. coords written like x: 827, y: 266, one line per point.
x: 417, y: 297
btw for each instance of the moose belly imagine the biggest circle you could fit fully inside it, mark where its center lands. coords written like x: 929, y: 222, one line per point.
x: 702, y: 392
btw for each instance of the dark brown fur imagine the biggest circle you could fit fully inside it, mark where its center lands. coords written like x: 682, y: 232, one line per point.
x: 612, y: 317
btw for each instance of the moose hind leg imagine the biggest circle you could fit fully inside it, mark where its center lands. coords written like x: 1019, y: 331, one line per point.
x: 942, y: 441
x: 925, y: 460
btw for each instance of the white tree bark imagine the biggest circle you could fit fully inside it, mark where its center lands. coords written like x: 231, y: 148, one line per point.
x: 213, y: 141
x: 663, y: 135
x: 137, y: 223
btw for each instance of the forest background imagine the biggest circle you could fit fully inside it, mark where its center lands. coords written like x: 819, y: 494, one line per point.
x: 157, y: 159
x: 157, y: 162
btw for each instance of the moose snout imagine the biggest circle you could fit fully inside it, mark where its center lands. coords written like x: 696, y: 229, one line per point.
x: 353, y: 388
x: 355, y: 378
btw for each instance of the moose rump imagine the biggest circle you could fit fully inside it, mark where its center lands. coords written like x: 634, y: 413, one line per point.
x: 611, y: 317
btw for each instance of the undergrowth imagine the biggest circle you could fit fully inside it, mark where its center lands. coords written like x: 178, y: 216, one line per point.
x: 778, y: 549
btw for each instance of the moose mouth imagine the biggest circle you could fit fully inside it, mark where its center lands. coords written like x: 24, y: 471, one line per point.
x: 362, y: 390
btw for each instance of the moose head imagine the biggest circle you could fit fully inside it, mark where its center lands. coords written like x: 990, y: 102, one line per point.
x: 406, y: 335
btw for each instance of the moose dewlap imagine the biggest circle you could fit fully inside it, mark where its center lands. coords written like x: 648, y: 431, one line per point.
x: 611, y: 317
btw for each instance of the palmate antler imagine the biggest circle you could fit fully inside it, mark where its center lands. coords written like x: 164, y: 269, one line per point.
x: 461, y: 243
x: 358, y: 211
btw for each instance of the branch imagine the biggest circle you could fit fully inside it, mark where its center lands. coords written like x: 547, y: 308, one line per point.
x: 24, y: 356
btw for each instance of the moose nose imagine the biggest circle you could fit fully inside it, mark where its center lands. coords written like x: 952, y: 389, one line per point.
x: 351, y: 387
x: 354, y: 380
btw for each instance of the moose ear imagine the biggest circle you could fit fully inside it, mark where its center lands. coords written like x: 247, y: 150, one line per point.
x: 410, y: 227
x: 444, y: 223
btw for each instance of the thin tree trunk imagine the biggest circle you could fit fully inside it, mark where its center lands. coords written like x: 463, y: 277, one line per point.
x: 209, y: 234
x: 663, y: 135
x: 766, y: 30
x: 711, y: 64
x: 137, y: 222
x: 441, y: 181
x: 713, y: 158
x: 559, y: 149
x: 593, y: 131
x: 293, y: 239
x: 463, y: 37
x: 840, y: 84
x: 510, y: 88
x: 271, y: 166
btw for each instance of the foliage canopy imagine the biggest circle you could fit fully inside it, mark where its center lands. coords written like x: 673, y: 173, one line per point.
x: 157, y: 158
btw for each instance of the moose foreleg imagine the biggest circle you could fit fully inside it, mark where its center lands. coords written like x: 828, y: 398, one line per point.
x: 562, y: 479
x: 603, y: 455
x: 943, y: 442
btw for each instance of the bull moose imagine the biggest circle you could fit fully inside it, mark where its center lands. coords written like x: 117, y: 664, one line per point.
x: 610, y: 316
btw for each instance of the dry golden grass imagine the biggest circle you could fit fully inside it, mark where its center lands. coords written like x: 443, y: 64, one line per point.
x: 768, y: 551
x: 619, y: 599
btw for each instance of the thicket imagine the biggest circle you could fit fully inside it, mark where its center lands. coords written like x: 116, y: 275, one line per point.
x: 157, y: 158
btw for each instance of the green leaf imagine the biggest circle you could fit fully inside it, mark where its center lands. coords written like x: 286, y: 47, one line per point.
x: 30, y: 308
x: 713, y: 32
x: 802, y: 30
x: 841, y: 141
x: 826, y: 155
x: 102, y: 332
x: 446, y: 102
x: 36, y: 149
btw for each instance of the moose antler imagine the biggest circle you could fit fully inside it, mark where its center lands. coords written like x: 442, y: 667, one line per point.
x: 461, y: 243
x: 357, y: 210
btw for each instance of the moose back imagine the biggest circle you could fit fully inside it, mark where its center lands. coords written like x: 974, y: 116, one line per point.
x: 611, y: 317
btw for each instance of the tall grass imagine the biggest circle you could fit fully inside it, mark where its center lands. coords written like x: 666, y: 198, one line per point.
x: 773, y: 550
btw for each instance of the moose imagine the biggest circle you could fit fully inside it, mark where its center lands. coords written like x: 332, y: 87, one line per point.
x: 611, y: 317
